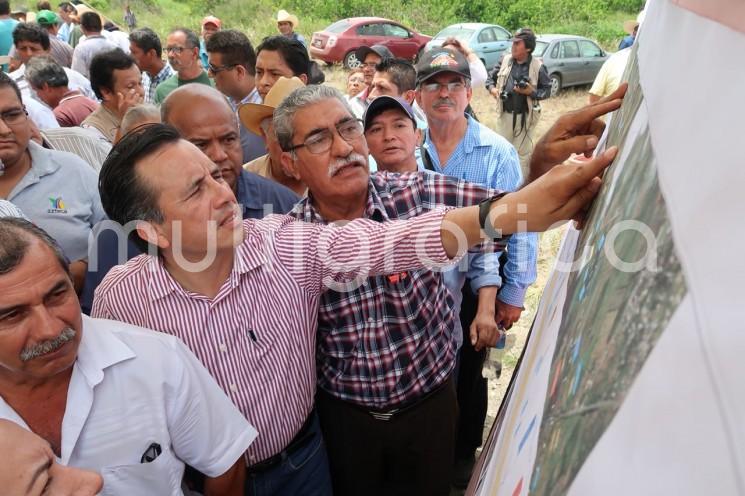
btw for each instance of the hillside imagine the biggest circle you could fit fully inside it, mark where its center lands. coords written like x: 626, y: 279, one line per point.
x: 597, y: 19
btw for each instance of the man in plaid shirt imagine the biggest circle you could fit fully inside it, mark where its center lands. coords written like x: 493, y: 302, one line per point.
x: 147, y: 51
x: 386, y: 345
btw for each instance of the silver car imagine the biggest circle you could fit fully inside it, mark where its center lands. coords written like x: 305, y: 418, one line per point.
x: 570, y: 60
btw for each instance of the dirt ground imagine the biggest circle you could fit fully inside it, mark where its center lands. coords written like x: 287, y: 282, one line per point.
x: 483, y: 104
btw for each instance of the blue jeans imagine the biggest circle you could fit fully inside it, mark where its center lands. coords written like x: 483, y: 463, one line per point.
x: 306, y: 471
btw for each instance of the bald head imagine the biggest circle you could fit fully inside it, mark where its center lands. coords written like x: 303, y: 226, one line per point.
x: 188, y: 100
x: 204, y: 117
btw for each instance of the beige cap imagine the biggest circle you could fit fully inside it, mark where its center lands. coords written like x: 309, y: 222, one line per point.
x: 251, y: 114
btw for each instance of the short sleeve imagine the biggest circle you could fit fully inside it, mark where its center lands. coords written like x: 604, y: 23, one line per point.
x: 207, y: 430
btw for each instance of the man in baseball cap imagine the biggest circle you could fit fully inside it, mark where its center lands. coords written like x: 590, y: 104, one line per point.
x: 440, y: 60
x: 457, y: 145
x: 210, y: 26
x: 60, y: 51
x: 391, y: 134
x: 369, y: 57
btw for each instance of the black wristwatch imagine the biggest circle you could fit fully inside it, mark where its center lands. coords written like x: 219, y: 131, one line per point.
x: 484, y: 208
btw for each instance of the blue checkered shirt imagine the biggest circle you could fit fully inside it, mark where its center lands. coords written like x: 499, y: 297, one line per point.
x: 483, y: 157
x: 151, y: 84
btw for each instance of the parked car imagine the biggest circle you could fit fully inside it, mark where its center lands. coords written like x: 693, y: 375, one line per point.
x: 338, y: 42
x: 569, y: 60
x: 489, y: 41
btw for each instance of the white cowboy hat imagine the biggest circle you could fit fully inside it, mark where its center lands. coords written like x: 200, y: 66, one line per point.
x: 284, y: 16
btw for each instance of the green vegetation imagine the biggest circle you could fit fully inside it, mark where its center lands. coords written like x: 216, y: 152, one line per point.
x: 598, y: 19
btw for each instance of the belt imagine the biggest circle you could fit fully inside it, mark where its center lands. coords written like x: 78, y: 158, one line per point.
x: 389, y: 414
x: 304, y: 435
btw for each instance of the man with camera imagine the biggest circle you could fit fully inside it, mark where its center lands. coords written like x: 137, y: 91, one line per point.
x: 518, y: 82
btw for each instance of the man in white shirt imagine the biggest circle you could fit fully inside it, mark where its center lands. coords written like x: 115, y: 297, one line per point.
x: 128, y: 403
x: 94, y: 43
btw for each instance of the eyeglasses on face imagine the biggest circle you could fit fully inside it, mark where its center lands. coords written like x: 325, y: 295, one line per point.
x: 175, y: 49
x: 213, y: 69
x: 14, y: 116
x: 453, y: 87
x: 320, y: 142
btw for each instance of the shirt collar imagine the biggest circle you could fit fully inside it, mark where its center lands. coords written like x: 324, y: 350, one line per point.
x: 99, y: 350
x: 248, y: 255
x: 43, y: 161
x: 468, y: 143
x: 164, y: 73
x: 375, y: 208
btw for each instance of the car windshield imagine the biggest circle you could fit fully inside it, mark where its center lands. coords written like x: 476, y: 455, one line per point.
x: 339, y: 26
x: 540, y: 47
x: 458, y: 32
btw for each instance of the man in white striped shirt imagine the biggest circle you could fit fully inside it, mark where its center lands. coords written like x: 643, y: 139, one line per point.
x: 244, y: 295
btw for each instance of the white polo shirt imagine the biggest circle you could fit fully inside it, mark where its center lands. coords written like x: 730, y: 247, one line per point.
x: 131, y: 388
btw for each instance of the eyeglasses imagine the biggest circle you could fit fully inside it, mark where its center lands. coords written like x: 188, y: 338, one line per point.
x: 453, y: 87
x: 370, y: 65
x: 320, y: 142
x: 213, y: 69
x: 14, y: 116
x: 175, y: 49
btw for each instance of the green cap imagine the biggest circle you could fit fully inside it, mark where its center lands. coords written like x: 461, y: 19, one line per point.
x: 47, y: 18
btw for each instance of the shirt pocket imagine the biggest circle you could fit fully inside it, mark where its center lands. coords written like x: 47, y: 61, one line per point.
x: 154, y: 478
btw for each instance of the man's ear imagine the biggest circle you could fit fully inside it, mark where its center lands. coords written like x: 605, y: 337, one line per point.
x: 106, y: 94
x: 409, y: 96
x: 418, y: 96
x: 419, y: 136
x: 303, y: 78
x: 153, y: 234
x: 289, y: 165
x: 469, y: 94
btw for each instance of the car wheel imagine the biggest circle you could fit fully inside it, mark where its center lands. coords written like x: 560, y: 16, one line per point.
x: 350, y: 60
x: 555, y: 84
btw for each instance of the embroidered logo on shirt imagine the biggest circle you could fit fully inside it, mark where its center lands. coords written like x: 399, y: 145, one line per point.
x: 57, y: 206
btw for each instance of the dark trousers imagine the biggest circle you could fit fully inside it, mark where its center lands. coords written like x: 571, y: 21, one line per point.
x: 411, y: 454
x: 471, y: 387
x: 303, y: 471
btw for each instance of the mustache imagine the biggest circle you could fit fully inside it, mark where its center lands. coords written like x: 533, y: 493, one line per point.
x: 444, y: 101
x: 340, y: 163
x: 67, y: 335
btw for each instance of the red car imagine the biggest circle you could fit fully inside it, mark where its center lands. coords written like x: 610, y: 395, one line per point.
x: 338, y: 42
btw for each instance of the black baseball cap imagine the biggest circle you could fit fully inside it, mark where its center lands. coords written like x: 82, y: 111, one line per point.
x: 439, y: 60
x: 383, y: 103
x: 380, y: 50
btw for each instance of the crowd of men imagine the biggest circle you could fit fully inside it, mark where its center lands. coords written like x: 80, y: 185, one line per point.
x: 205, y: 290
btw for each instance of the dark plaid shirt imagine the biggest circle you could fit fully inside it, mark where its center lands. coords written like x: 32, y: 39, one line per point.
x: 389, y: 340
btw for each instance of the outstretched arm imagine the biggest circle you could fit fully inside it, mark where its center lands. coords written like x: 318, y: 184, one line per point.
x: 561, y: 194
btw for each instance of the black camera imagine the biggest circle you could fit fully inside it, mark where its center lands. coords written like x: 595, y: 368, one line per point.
x: 504, y: 96
x: 522, y: 83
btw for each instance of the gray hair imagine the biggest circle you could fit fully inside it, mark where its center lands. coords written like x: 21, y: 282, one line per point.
x: 16, y: 237
x: 42, y: 70
x: 137, y: 115
x: 307, y: 95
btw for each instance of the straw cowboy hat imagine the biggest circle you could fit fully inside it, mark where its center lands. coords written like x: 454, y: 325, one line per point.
x: 284, y: 16
x: 630, y: 26
x: 251, y: 114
